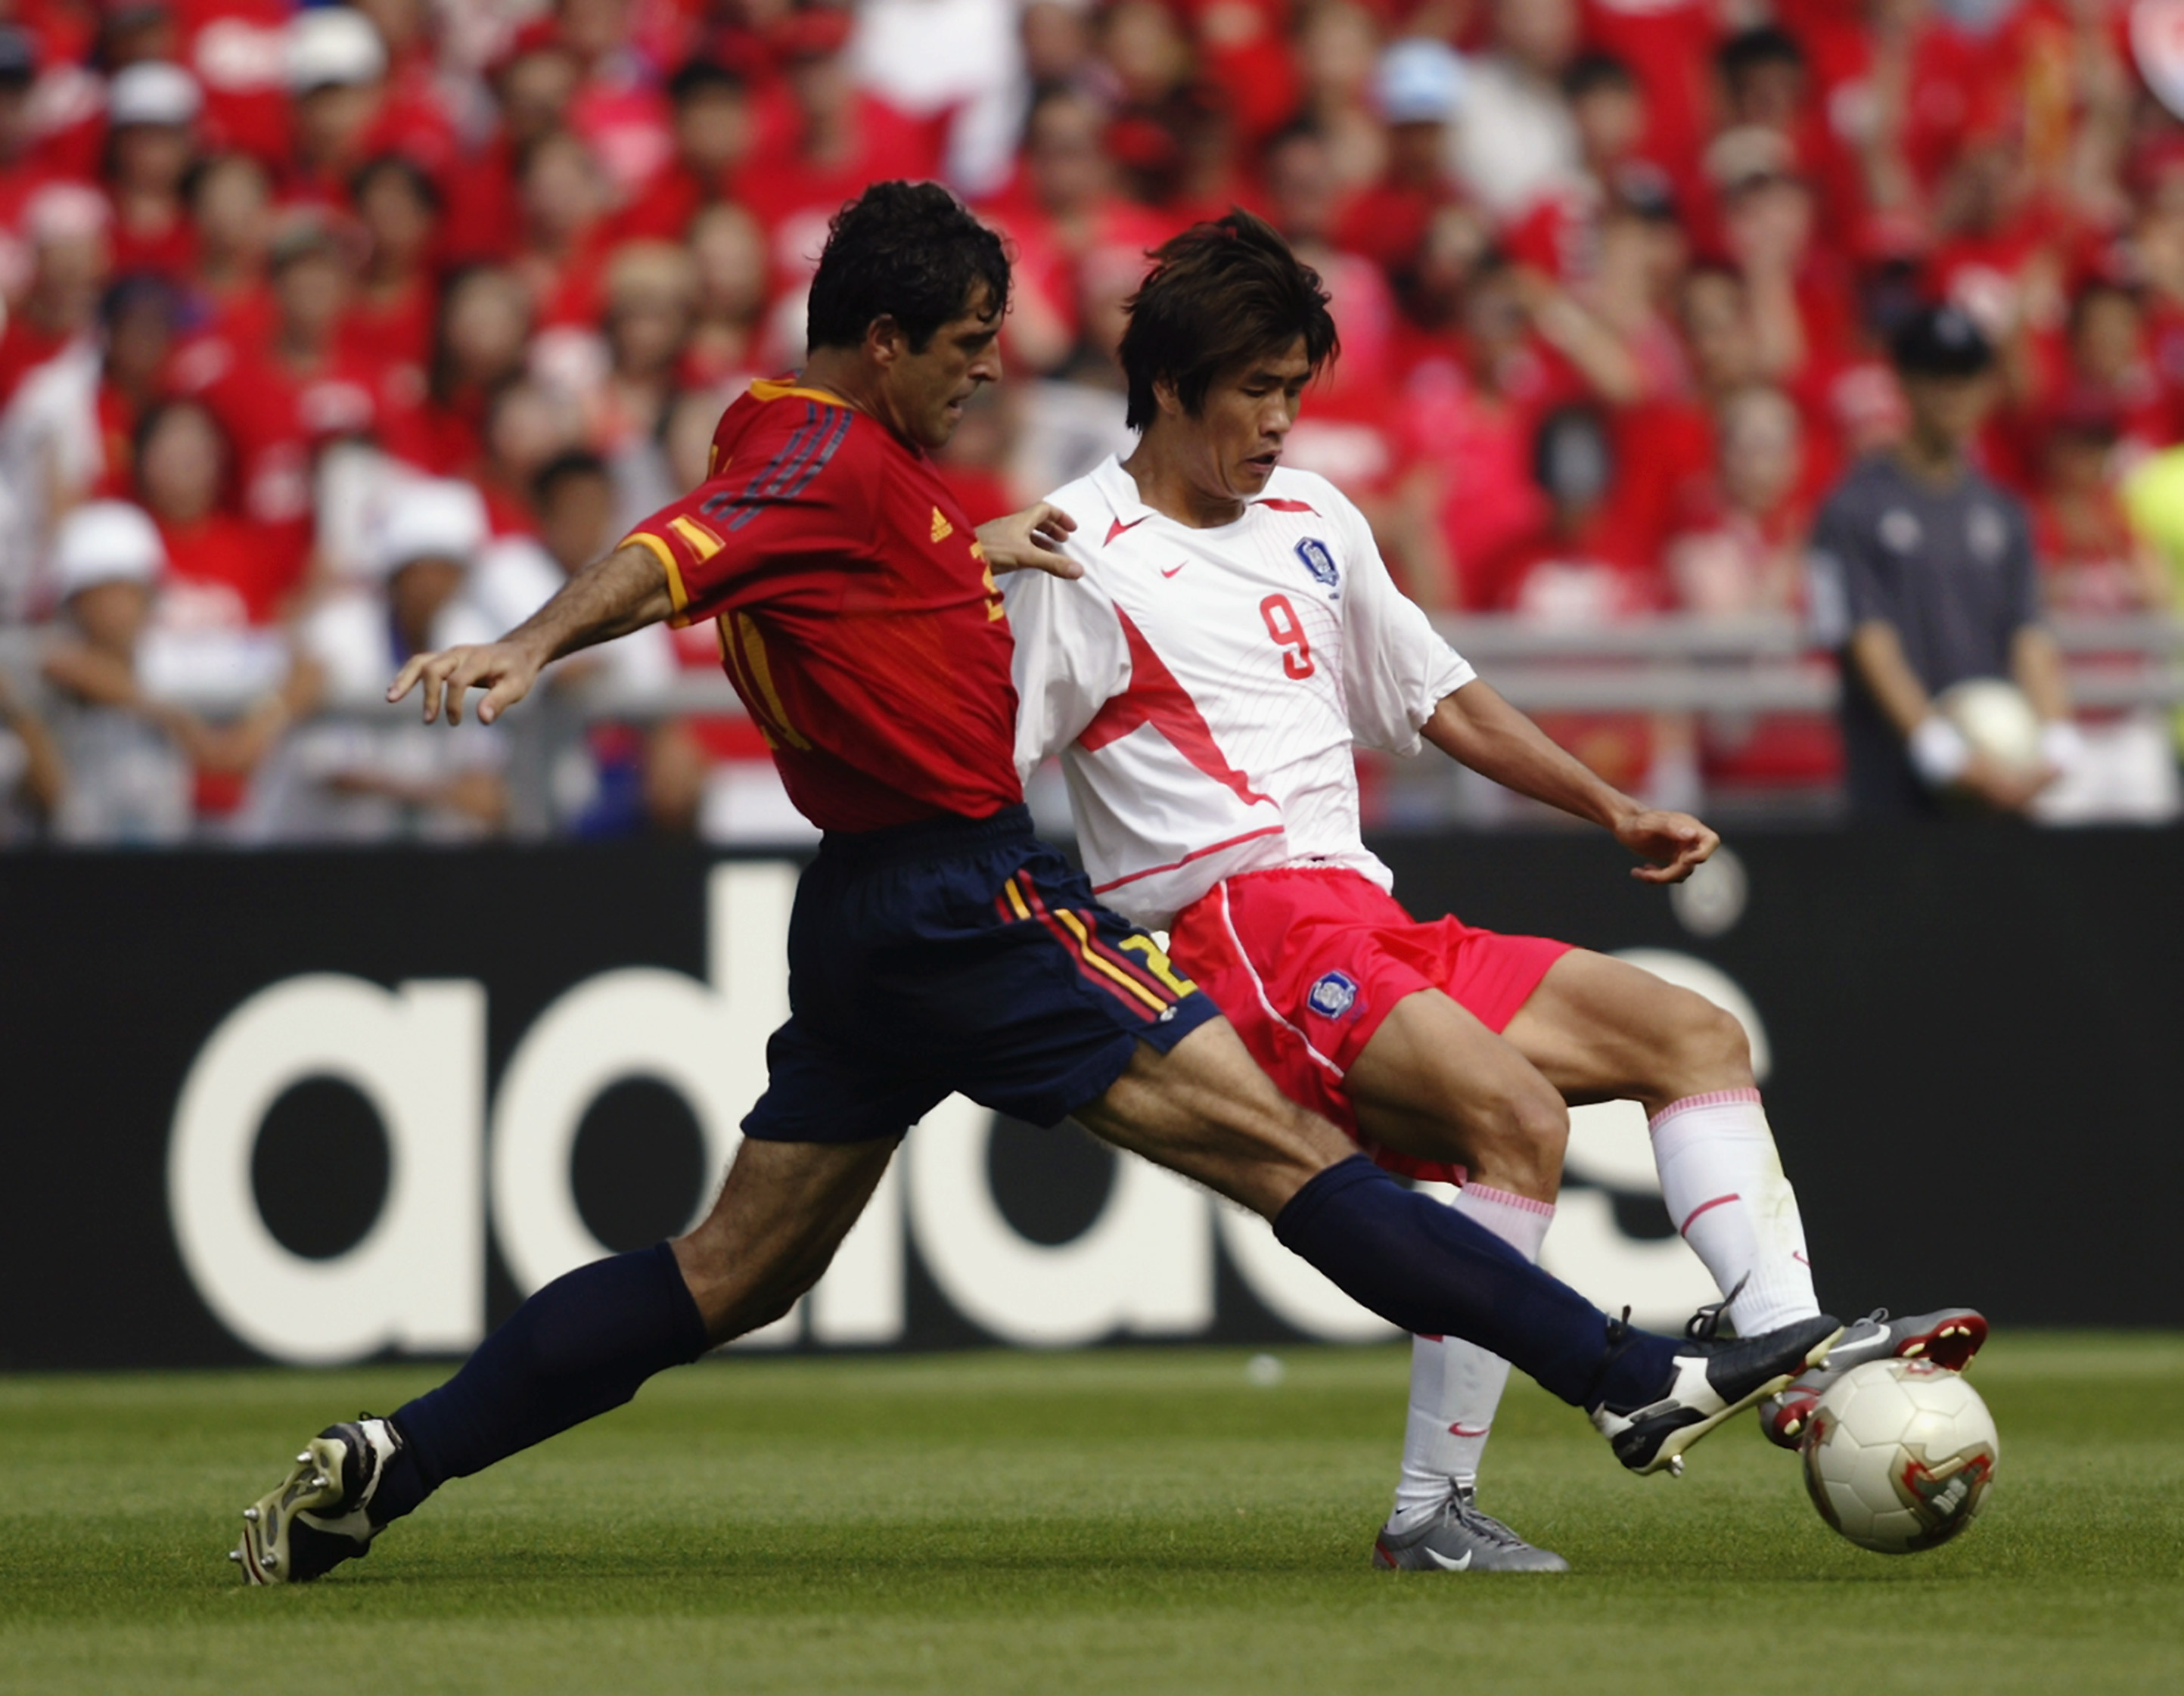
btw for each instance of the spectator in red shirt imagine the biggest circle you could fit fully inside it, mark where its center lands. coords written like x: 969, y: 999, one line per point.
x: 151, y: 138
x: 728, y: 327
x: 1419, y: 90
x: 338, y: 78
x: 219, y: 573
x: 527, y: 425
x: 70, y: 261
x: 1063, y: 213
x: 845, y: 139
x: 564, y: 236
x: 231, y: 202
x: 1472, y: 409
x: 1582, y: 568
x: 238, y: 51
x: 713, y: 138
x: 23, y: 170
x: 1338, y: 49
x: 1667, y: 44
x: 484, y: 325
x: 1744, y: 558
x: 281, y: 401
x: 2091, y: 561
x: 532, y: 87
x: 398, y: 294
x: 651, y: 290
x: 617, y: 107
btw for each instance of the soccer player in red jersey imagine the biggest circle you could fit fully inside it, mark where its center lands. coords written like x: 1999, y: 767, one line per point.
x: 935, y: 945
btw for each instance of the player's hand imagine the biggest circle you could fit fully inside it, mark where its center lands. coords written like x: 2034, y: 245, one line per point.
x: 2003, y: 787
x: 1031, y: 540
x: 1677, y: 844
x: 506, y: 671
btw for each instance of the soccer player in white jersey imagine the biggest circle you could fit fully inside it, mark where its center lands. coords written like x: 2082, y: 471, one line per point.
x: 1234, y: 636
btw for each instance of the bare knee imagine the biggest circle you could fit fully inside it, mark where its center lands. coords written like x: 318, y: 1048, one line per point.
x: 1520, y: 1134
x: 1706, y: 1050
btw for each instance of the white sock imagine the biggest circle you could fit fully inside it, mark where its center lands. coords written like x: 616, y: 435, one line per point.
x: 1455, y: 1386
x: 1725, y: 1188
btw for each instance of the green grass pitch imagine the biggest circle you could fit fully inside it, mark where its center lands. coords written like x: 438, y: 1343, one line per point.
x: 1131, y: 1520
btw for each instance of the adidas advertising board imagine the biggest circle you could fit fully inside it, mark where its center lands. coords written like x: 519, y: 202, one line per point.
x: 396, y: 1092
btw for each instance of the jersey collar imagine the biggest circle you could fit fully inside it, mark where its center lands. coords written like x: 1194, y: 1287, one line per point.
x: 1119, y: 490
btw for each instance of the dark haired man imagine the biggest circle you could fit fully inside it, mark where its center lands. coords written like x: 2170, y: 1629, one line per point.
x: 935, y: 945
x: 1232, y: 636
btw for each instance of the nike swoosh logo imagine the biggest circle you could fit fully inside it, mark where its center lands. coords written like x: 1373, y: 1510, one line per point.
x: 1465, y: 1430
x: 1172, y: 570
x: 1447, y: 1565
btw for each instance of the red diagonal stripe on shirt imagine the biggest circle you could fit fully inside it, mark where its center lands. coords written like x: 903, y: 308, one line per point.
x: 1155, y: 698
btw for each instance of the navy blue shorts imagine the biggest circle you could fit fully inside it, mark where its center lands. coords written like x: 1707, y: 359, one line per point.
x: 957, y: 955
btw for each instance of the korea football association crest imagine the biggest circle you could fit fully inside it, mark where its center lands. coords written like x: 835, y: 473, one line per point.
x: 1319, y: 561
x: 1333, y: 995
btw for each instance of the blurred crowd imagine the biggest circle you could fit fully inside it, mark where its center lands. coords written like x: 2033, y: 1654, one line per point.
x: 335, y: 332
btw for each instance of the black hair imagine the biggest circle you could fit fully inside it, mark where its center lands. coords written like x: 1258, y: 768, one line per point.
x: 703, y: 76
x: 136, y: 288
x: 573, y: 463
x: 909, y: 251
x: 1755, y: 49
x: 2091, y: 289
x: 206, y: 166
x: 1218, y: 294
x: 1570, y: 448
x: 158, y: 413
x: 1591, y: 71
x: 402, y: 166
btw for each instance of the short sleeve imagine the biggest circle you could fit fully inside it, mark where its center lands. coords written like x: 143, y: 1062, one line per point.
x: 1396, y: 667
x: 811, y: 499
x: 2026, y: 604
x: 1071, y: 659
x: 1847, y: 565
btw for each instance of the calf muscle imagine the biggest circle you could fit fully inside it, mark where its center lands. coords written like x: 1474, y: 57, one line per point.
x: 781, y: 1215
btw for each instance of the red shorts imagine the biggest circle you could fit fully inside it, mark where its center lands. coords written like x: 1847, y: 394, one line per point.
x: 1306, y: 960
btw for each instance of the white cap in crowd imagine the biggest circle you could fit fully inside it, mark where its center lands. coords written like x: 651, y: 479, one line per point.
x: 106, y: 541
x: 1420, y: 82
x: 431, y: 518
x: 153, y: 93
x: 333, y: 45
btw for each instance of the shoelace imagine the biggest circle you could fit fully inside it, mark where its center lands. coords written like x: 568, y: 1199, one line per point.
x: 1483, y: 1525
x: 1705, y: 1324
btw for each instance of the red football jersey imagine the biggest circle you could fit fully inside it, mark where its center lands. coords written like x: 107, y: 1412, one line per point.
x: 857, y: 618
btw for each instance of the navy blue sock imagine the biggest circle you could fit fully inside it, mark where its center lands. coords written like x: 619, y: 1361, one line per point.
x: 1433, y: 1271
x: 581, y: 1345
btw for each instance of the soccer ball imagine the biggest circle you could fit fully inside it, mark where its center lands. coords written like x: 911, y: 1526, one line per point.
x: 1899, y: 1454
x: 1996, y: 718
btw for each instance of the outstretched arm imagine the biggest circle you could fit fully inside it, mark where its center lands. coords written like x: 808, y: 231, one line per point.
x: 624, y: 591
x: 1477, y: 727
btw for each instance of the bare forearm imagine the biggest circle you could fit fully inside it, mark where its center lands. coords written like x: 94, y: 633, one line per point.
x: 1476, y: 726
x: 2037, y: 665
x: 626, y: 591
x: 44, y: 777
x: 1876, y: 655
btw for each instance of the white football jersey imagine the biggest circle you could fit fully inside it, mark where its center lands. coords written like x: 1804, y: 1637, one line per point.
x: 1205, y: 688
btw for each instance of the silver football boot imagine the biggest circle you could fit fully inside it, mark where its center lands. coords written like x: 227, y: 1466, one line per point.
x: 316, y: 1518
x: 1461, y: 1539
x: 1948, y: 1336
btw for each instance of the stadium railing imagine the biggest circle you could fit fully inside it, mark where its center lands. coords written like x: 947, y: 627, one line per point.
x: 1672, y: 664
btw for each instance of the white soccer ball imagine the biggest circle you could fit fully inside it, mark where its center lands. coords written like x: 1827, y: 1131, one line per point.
x: 1899, y: 1455
x: 1996, y: 718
